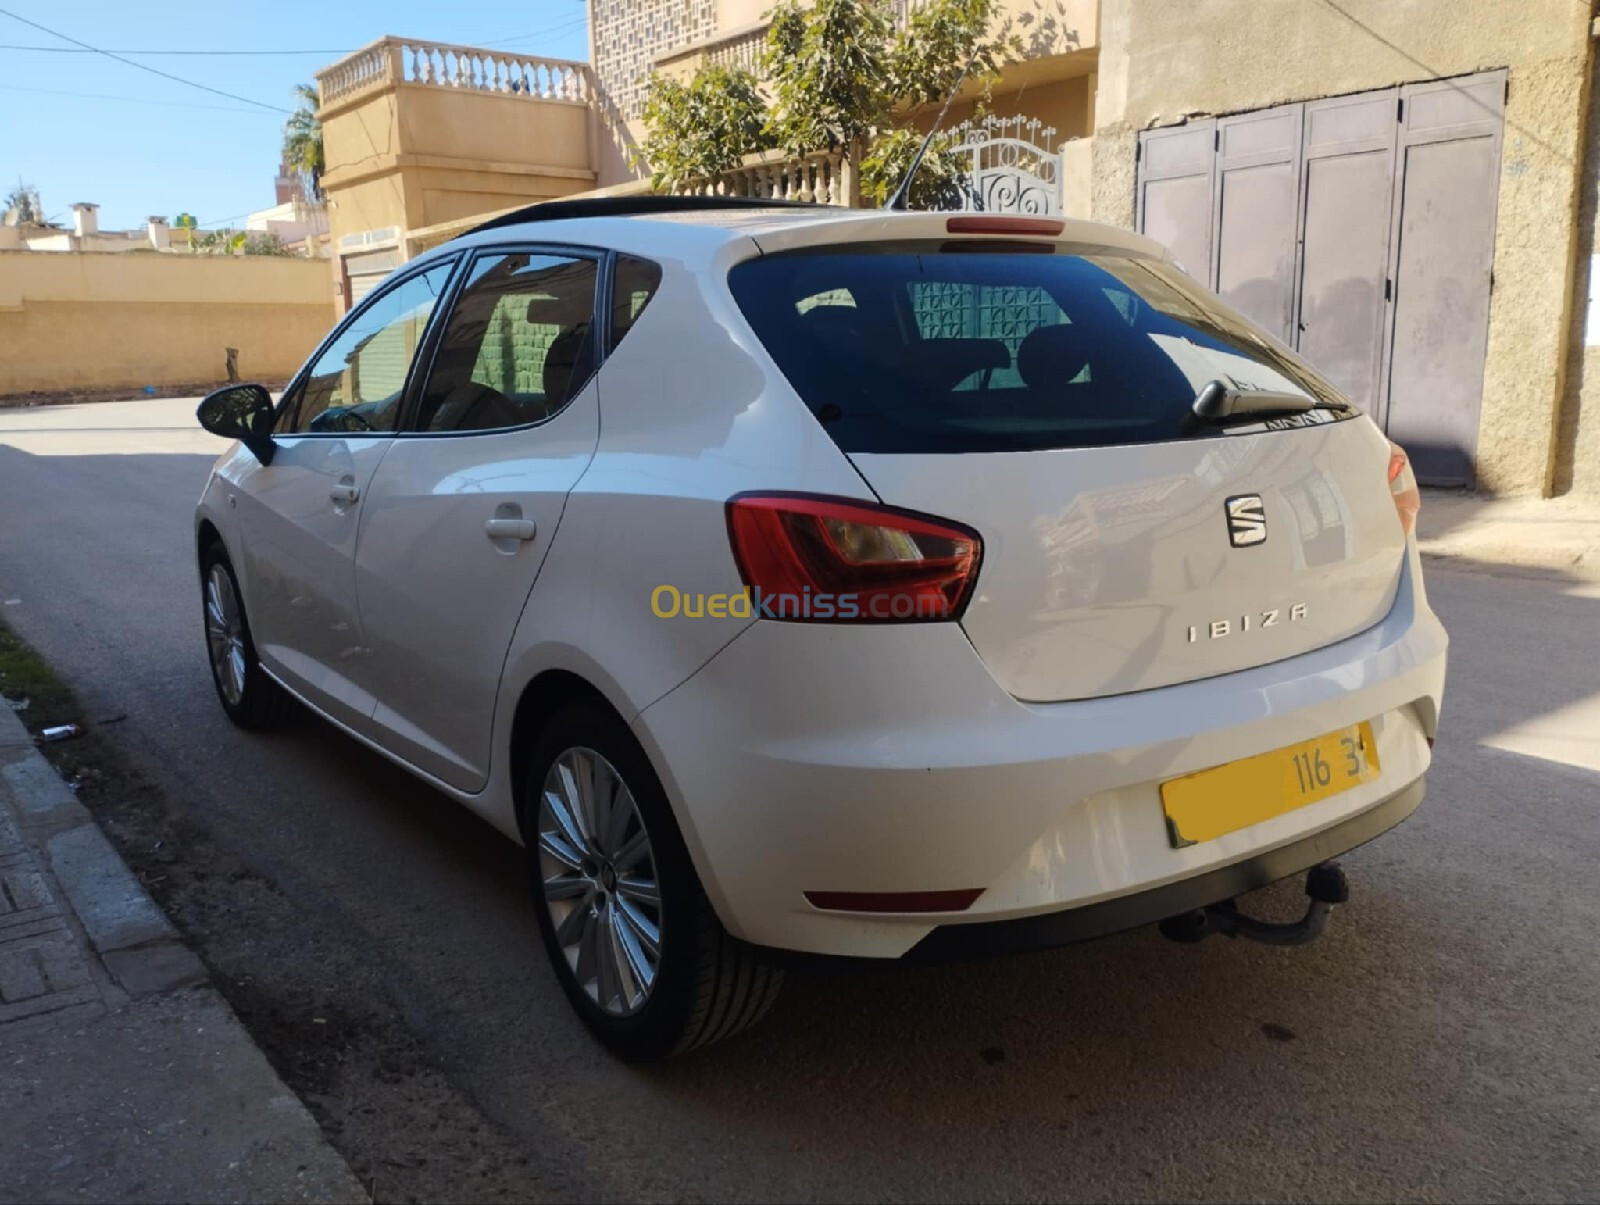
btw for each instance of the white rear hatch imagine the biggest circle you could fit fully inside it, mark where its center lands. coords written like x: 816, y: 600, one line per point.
x: 1043, y: 394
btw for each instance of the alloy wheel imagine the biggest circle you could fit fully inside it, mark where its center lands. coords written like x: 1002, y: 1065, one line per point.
x: 598, y: 874
x: 225, y: 634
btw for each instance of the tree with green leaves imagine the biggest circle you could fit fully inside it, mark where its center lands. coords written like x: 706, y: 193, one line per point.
x: 940, y: 177
x: 302, y: 140
x: 217, y: 242
x: 829, y: 66
x: 942, y: 42
x: 264, y: 242
x: 839, y: 75
x: 703, y: 127
x: 22, y: 205
x: 238, y: 242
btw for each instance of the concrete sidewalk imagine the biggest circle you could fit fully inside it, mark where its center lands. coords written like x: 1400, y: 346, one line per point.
x: 123, y: 1075
x: 1536, y: 536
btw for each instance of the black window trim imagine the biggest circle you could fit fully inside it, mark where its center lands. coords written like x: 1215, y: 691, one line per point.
x: 290, y: 398
x: 600, y: 323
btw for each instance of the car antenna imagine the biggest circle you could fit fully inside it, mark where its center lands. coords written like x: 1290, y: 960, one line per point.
x: 898, y: 199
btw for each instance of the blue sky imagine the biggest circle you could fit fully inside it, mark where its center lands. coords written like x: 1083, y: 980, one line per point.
x: 81, y: 127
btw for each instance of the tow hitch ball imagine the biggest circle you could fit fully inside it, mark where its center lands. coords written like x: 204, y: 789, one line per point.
x: 1325, y: 884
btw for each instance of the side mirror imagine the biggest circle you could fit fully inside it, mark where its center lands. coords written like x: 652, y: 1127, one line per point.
x: 242, y: 412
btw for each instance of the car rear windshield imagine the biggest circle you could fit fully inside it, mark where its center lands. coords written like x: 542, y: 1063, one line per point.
x: 979, y: 347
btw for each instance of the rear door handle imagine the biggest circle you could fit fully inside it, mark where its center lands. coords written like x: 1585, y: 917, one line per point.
x: 511, y: 529
x: 345, y: 492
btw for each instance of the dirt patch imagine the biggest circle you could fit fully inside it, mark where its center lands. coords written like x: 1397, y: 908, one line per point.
x: 406, y: 1129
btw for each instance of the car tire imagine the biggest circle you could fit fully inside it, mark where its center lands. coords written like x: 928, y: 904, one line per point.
x: 705, y: 984
x: 251, y: 699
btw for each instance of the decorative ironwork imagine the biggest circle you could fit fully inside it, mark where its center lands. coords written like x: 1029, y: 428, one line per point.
x: 961, y: 310
x: 1012, y: 168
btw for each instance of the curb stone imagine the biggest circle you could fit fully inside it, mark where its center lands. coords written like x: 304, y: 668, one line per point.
x: 127, y: 1076
x: 1534, y: 537
x: 116, y: 913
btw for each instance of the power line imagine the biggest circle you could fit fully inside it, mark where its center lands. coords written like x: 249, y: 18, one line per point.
x: 141, y: 66
x: 91, y: 50
x: 132, y: 100
x: 220, y: 223
x: 494, y: 39
x: 567, y: 26
x: 515, y: 45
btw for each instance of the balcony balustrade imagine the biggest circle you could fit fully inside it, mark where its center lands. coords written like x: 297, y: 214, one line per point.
x: 471, y: 68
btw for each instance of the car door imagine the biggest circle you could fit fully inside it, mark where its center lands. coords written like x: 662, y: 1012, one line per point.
x: 300, y: 513
x: 463, y: 508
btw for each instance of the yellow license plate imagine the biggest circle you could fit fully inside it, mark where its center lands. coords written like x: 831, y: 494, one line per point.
x: 1212, y: 802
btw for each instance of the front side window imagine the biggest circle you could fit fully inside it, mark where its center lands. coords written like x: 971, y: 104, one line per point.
x: 518, y: 346
x: 356, y: 384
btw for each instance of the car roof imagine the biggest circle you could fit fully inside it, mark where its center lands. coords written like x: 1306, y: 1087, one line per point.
x: 696, y: 230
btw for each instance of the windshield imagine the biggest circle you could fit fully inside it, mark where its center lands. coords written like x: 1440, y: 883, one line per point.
x: 957, y: 347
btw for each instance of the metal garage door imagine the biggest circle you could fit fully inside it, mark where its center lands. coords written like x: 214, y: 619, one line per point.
x: 367, y: 269
x: 1358, y: 229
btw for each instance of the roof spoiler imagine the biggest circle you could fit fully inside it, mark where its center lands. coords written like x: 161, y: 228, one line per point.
x: 623, y: 207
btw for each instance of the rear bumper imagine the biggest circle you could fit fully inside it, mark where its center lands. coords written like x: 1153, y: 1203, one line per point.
x: 812, y: 758
x: 950, y: 943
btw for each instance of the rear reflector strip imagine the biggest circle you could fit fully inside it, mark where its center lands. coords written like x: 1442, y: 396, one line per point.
x: 1003, y: 224
x: 894, y: 901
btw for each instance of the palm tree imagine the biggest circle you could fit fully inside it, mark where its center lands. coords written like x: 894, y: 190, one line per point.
x: 302, y: 139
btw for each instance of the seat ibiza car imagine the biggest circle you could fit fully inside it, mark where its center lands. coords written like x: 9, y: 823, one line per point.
x: 788, y: 578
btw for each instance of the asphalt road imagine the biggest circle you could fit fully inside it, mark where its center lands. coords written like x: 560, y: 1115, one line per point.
x: 1442, y: 1042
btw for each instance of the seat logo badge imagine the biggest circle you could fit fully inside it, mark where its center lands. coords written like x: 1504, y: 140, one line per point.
x: 1247, y: 520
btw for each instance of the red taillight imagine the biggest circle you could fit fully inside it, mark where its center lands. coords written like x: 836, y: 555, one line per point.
x: 831, y: 560
x: 1403, y: 485
x: 1003, y: 224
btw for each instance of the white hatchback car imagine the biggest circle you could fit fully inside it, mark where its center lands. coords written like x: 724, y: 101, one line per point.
x: 788, y: 578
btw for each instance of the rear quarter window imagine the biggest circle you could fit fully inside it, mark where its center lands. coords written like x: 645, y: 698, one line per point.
x: 634, y: 282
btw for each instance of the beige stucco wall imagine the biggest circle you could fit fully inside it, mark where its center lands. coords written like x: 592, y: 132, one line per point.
x: 1065, y: 105
x: 411, y: 155
x: 1160, y: 61
x: 1578, y: 446
x: 1049, y: 27
x: 98, y: 319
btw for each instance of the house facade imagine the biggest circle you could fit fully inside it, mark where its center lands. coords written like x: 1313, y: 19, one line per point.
x: 1403, y: 190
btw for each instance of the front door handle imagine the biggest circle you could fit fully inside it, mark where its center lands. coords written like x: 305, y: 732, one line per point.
x: 511, y: 529
x: 345, y: 492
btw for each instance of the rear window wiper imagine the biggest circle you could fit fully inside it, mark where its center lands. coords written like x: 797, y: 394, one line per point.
x: 1220, y: 402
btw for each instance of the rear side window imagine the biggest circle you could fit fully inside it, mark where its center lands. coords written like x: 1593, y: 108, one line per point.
x: 518, y: 345
x: 962, y: 347
x: 633, y: 283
